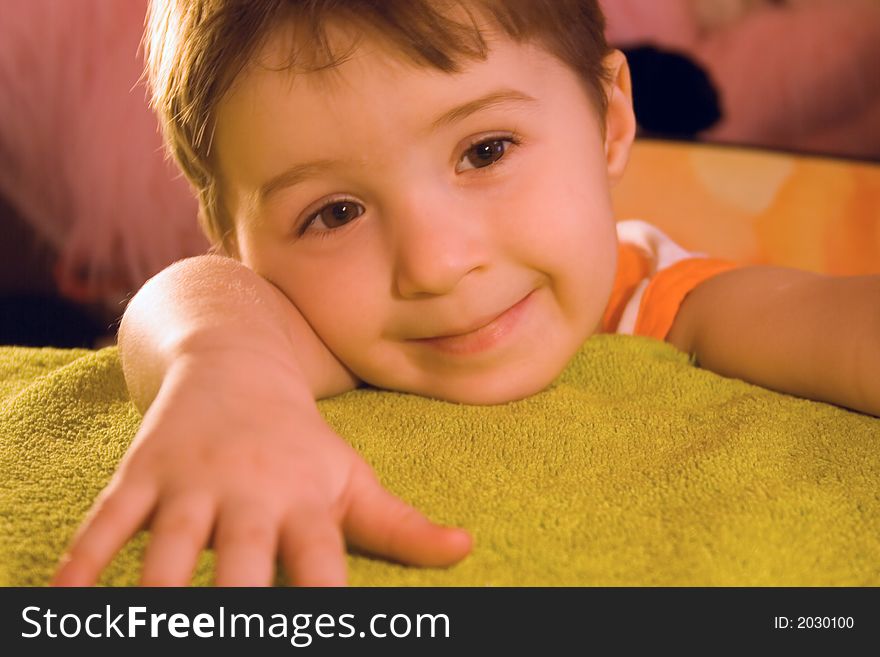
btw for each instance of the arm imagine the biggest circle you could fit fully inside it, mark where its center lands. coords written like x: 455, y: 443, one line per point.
x: 797, y: 332
x: 210, y: 302
x: 232, y: 449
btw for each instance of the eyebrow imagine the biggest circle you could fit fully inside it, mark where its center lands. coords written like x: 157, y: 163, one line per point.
x: 493, y: 99
x: 300, y: 172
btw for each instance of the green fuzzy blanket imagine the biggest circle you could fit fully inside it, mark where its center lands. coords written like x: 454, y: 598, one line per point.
x: 633, y: 468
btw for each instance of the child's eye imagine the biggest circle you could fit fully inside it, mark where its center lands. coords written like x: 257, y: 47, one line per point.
x: 485, y: 153
x: 333, y: 215
x: 338, y: 213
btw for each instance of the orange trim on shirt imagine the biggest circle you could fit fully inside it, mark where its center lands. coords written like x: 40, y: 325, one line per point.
x: 667, y: 290
x: 664, y: 294
x: 632, y: 268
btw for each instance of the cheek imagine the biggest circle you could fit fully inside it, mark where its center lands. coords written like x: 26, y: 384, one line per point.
x: 341, y: 297
x: 339, y: 293
x: 563, y: 226
x: 561, y: 222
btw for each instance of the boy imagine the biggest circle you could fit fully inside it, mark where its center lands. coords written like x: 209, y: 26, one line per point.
x: 419, y: 194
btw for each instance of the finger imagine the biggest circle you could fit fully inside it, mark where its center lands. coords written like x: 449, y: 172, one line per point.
x: 313, y: 550
x: 379, y: 522
x: 180, y: 529
x: 117, y: 514
x: 245, y: 542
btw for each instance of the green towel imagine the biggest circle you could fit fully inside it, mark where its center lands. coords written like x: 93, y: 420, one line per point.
x: 633, y: 468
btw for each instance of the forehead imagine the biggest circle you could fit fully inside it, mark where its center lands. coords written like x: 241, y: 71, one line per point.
x: 374, y: 98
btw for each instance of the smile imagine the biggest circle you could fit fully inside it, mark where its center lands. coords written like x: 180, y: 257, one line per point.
x: 484, y: 337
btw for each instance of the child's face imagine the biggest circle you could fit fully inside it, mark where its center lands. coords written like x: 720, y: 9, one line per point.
x: 418, y: 237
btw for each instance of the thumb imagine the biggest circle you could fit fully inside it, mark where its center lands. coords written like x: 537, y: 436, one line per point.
x: 380, y: 523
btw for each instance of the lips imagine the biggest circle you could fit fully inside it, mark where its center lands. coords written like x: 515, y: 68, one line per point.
x: 475, y: 326
x: 481, y: 334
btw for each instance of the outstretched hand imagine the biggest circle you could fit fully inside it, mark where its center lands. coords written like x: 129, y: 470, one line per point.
x: 246, y: 464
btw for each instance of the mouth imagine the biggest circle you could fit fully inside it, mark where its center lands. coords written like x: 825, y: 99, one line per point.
x: 483, y: 335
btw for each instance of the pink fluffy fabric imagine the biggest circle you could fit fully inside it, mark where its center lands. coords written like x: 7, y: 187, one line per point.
x: 803, y: 75
x: 80, y: 156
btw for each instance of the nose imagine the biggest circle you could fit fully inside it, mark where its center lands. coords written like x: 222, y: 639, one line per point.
x: 436, y: 243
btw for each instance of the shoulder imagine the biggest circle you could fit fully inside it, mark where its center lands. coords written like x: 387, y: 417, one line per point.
x: 654, y: 275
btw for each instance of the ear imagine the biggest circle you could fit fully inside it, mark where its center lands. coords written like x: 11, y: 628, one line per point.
x: 620, y: 121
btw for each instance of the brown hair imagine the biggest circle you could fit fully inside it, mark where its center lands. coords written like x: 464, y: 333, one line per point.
x: 195, y: 49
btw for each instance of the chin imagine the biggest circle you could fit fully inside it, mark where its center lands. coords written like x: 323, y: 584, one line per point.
x: 497, y: 388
